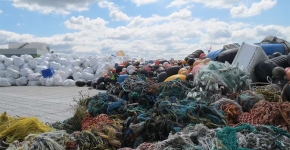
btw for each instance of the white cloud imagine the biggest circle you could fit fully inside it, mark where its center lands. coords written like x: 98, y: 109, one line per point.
x: 208, y: 3
x: 138, y: 21
x: 255, y: 9
x: 115, y: 13
x: 1, y: 11
x: 63, y: 7
x: 143, y: 2
x: 175, y: 35
x: 81, y: 23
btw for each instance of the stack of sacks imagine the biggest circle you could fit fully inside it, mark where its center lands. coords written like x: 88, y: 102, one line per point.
x: 26, y: 70
x: 3, y: 80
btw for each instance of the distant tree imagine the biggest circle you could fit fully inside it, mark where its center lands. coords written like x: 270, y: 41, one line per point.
x: 52, y: 52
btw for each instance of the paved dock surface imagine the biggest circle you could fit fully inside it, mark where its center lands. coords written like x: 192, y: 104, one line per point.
x: 49, y: 104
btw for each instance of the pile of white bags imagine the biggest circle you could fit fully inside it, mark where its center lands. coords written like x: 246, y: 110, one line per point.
x: 26, y: 70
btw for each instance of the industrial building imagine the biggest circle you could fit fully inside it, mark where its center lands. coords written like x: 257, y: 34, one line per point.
x: 34, y: 49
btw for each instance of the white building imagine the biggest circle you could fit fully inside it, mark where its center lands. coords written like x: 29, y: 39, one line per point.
x: 17, y: 49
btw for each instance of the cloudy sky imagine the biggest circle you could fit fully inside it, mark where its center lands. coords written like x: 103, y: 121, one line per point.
x: 141, y: 28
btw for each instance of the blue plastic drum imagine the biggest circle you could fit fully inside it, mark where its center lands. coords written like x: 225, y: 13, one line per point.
x: 272, y: 48
x: 214, y: 54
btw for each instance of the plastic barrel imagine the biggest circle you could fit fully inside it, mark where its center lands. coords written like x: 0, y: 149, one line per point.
x: 269, y: 49
x: 214, y: 54
x: 264, y: 69
x: 227, y: 55
x: 280, y: 61
x: 122, y: 78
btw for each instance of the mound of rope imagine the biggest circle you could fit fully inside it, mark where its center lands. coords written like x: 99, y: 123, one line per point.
x: 268, y: 113
x: 104, y: 127
x: 228, y: 108
x: 271, y: 92
x: 12, y: 129
x: 216, y: 75
x: 247, y: 99
x: 241, y: 137
x: 51, y: 140
x: 168, y: 117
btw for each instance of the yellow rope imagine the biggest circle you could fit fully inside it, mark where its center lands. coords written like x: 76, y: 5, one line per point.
x: 18, y: 128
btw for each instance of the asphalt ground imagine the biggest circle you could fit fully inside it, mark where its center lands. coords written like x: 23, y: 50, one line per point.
x: 48, y: 104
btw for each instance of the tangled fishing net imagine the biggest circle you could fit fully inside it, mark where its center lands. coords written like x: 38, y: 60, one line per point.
x: 270, y: 92
x: 241, y: 137
x: 104, y: 127
x: 168, y: 117
x: 247, y: 99
x: 228, y: 108
x: 74, y: 123
x: 216, y: 75
x: 268, y: 113
x: 205, y: 114
x: 51, y: 140
x: 13, y: 129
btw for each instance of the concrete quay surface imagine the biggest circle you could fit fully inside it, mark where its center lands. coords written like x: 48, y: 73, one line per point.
x: 48, y: 104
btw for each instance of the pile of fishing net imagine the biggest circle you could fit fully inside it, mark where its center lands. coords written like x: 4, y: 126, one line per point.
x: 268, y: 113
x: 241, y: 137
x: 168, y: 116
x: 16, y: 128
x: 220, y: 78
x: 60, y: 140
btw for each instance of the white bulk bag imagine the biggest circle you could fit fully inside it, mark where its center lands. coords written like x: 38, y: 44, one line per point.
x: 86, y: 63
x: 4, y: 82
x: 68, y: 82
x: 32, y: 63
x: 62, y: 61
x: 57, y: 80
x: 12, y: 81
x: 87, y: 76
x: 45, y: 63
x: 54, y: 57
x: 14, y: 67
x: 42, y: 80
x: 12, y: 73
x: 61, y: 68
x: 8, y: 61
x: 18, y: 61
x: 78, y: 69
x: 2, y: 58
x: 34, y: 77
x: 26, y: 57
x: 21, y: 81
x: 38, y: 60
x: 26, y: 65
x: 77, y: 76
x: 88, y: 70
x: 2, y: 73
x: 26, y: 71
x: 49, y: 82
x: 93, y: 61
x: 76, y: 62
x: 62, y: 74
x: 34, y: 83
x: 2, y: 66
x: 54, y: 65
x: 39, y: 68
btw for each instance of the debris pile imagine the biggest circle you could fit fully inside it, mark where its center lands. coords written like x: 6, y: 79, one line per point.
x: 195, y: 103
